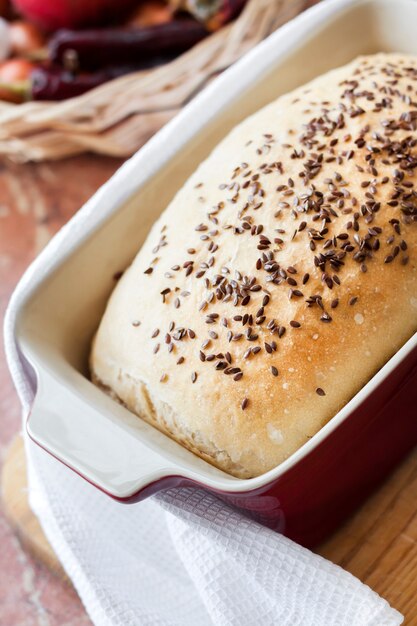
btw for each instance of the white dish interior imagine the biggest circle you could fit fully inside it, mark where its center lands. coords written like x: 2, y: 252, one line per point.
x: 73, y: 419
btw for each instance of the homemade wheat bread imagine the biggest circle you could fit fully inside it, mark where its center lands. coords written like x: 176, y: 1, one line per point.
x: 280, y: 278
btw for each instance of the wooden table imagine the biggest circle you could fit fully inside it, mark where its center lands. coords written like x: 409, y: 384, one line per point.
x: 378, y: 545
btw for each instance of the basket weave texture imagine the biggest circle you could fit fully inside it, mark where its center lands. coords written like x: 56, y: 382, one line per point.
x: 118, y: 117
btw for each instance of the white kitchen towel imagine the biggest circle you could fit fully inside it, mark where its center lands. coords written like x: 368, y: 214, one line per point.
x: 182, y: 557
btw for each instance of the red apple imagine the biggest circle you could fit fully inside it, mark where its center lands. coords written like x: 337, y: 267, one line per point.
x: 54, y: 14
x: 15, y: 80
x: 15, y: 71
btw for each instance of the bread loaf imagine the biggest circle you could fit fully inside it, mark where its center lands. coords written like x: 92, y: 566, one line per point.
x: 280, y: 278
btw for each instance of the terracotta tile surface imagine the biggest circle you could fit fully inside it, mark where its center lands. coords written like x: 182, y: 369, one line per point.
x: 35, y: 200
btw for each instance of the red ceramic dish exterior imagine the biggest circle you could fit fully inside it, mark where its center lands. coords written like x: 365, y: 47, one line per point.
x: 316, y: 495
x: 312, y: 498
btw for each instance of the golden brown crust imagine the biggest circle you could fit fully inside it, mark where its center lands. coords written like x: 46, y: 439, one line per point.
x: 314, y: 190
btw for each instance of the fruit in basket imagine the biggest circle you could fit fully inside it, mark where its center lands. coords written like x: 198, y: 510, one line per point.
x: 73, y: 60
x: 10, y: 93
x: 150, y: 13
x: 54, y: 14
x: 213, y: 13
x: 25, y: 38
x: 15, y: 71
x: 92, y: 49
x: 57, y: 84
x: 54, y: 83
x: 15, y: 80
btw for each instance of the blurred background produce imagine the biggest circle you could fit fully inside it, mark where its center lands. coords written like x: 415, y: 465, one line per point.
x: 57, y: 49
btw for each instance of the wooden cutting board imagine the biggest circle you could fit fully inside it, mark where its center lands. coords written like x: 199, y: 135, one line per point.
x: 378, y: 544
x: 14, y: 491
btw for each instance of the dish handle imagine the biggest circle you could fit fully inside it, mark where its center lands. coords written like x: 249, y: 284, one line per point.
x: 97, y: 445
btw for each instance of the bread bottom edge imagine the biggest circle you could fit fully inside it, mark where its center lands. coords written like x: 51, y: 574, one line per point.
x: 166, y: 421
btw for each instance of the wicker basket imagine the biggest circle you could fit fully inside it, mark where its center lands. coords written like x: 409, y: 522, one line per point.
x: 119, y: 116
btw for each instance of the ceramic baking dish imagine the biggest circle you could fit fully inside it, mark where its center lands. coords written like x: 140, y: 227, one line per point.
x: 317, y: 487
